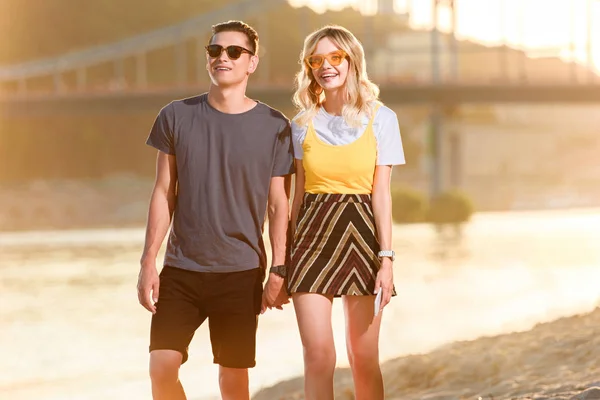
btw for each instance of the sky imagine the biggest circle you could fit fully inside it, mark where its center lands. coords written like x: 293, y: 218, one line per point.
x: 539, y: 26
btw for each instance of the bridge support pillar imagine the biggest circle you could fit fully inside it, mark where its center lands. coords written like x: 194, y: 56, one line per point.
x: 119, y: 80
x: 455, y: 158
x: 22, y: 86
x: 589, y: 43
x: 435, y: 151
x: 181, y: 63
x: 141, y: 76
x: 435, y: 117
x: 59, y: 85
x: 81, y: 79
x: 264, y: 72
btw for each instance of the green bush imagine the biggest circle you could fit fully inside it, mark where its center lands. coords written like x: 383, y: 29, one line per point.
x: 451, y: 207
x: 408, y: 206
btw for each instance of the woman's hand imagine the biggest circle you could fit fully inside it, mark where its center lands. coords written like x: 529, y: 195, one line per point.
x: 385, y: 281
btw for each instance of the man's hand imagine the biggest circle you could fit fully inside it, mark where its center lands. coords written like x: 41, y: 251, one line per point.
x: 385, y: 281
x: 274, y: 293
x: 147, y: 286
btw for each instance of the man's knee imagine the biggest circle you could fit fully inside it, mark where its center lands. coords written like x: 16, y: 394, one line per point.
x: 164, y: 366
x: 233, y: 379
x: 232, y: 374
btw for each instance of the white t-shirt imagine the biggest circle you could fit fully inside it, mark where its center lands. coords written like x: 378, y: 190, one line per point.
x: 333, y: 130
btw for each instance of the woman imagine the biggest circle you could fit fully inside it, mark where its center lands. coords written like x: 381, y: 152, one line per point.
x: 345, y: 143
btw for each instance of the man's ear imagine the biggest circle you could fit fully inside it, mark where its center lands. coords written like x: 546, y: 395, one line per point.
x: 253, y: 64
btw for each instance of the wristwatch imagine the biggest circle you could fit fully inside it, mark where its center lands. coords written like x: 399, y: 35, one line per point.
x: 387, y: 253
x: 279, y: 270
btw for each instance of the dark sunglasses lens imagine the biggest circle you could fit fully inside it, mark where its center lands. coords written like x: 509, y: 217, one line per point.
x: 214, y: 50
x: 234, y: 52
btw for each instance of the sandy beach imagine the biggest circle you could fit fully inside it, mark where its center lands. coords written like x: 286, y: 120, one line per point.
x: 554, y: 360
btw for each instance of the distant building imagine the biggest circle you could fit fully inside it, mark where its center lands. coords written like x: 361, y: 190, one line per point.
x: 385, y: 7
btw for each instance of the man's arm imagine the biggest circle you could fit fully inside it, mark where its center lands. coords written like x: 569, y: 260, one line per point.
x: 279, y: 214
x: 162, y: 204
x: 279, y: 211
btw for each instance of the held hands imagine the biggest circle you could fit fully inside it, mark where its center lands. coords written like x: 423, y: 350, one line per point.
x: 385, y: 282
x: 274, y: 294
x: 147, y: 286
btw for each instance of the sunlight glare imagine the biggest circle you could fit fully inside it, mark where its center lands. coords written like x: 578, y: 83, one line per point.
x: 542, y: 27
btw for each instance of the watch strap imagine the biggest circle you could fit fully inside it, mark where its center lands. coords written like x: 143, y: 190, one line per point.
x: 279, y: 270
x: 386, y: 253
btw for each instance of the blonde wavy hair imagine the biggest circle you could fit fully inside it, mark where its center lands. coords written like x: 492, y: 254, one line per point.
x: 360, y: 91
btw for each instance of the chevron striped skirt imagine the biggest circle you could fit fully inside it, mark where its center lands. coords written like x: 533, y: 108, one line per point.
x: 335, y: 246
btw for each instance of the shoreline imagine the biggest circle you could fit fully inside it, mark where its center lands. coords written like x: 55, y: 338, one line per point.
x: 104, y: 203
x: 139, y: 224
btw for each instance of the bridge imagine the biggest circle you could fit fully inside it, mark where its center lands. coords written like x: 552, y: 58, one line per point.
x: 427, y: 67
x: 437, y: 69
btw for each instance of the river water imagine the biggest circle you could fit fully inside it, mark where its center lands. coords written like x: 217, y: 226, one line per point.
x: 71, y: 327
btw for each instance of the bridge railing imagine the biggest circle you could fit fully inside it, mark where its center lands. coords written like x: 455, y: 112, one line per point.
x: 388, y: 67
x: 405, y: 58
x: 471, y: 63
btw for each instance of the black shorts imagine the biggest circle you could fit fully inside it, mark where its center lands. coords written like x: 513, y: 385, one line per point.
x: 230, y: 300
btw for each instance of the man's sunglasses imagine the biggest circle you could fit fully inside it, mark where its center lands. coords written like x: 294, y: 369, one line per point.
x: 334, y: 58
x: 233, y: 52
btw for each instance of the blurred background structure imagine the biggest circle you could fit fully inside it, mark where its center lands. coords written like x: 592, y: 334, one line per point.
x: 500, y: 100
x: 499, y: 107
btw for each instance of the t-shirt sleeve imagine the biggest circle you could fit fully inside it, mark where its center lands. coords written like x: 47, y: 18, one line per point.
x: 389, y: 142
x: 161, y: 135
x: 284, y: 153
x: 298, y: 135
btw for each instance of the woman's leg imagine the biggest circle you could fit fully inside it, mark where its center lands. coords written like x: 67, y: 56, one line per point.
x: 362, y: 344
x: 313, y: 313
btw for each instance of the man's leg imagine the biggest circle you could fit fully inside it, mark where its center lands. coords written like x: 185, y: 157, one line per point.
x: 233, y: 383
x: 173, y: 326
x: 164, y: 373
x: 233, y: 309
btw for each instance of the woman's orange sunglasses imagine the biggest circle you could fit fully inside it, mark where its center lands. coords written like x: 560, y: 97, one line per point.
x: 334, y: 58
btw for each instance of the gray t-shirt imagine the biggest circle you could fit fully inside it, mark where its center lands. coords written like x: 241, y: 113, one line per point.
x: 225, y: 163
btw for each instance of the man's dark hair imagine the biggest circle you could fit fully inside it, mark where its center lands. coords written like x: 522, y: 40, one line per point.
x: 238, y: 26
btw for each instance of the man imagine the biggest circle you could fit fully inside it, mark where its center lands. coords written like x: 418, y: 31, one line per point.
x: 223, y: 159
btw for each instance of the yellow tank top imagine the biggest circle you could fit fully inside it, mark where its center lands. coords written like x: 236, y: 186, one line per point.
x: 343, y: 169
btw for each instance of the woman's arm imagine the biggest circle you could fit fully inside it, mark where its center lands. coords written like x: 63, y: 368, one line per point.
x: 382, y: 210
x: 298, y: 194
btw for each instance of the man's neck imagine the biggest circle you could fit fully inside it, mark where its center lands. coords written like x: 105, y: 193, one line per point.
x: 230, y: 100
